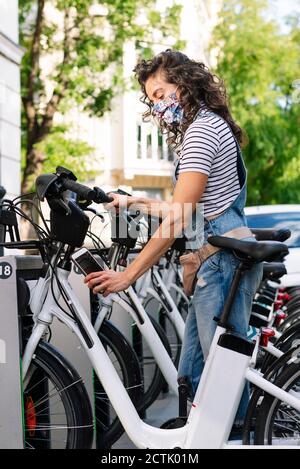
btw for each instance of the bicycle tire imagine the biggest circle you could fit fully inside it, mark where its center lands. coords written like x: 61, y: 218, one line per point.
x: 49, y: 367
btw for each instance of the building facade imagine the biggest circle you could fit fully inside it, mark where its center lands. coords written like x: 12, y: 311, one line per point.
x: 10, y: 106
x: 128, y: 152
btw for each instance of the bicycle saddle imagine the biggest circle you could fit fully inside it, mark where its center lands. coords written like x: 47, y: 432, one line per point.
x: 263, y: 234
x: 258, y: 251
x: 274, y: 270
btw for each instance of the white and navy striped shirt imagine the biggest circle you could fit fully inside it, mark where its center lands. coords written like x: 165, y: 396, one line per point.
x: 209, y: 147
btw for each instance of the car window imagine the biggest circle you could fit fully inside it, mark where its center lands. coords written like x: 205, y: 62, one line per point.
x: 289, y: 220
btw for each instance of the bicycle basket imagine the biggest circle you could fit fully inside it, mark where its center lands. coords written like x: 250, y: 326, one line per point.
x: 69, y: 229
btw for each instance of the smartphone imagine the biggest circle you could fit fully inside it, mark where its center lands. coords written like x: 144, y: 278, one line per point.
x: 86, y: 262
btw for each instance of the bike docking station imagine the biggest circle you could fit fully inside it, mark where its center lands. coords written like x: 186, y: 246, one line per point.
x: 11, y: 407
x: 18, y: 274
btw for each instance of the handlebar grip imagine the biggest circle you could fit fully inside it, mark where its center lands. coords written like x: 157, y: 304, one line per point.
x: 101, y: 197
x: 84, y: 192
x: 96, y: 194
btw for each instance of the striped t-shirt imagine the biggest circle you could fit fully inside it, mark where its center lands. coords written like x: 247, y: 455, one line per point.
x: 209, y: 147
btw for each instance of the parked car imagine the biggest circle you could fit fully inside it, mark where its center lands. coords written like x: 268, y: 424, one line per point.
x: 281, y: 216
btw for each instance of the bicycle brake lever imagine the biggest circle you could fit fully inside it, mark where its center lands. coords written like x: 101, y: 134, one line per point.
x: 121, y: 192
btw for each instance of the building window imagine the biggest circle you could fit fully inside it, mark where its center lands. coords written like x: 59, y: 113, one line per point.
x: 152, y: 144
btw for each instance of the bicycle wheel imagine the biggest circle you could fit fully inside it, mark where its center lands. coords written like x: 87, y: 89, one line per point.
x: 152, y: 377
x: 125, y: 361
x: 57, y: 410
x: 271, y: 373
x: 279, y: 423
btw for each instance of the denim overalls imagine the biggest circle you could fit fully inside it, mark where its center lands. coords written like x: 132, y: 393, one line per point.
x: 214, y: 279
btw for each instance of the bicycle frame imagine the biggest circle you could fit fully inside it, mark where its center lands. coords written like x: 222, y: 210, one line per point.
x: 44, y: 317
x: 165, y: 284
x: 217, y: 397
x: 169, y: 277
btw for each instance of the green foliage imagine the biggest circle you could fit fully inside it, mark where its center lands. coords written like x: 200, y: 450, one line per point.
x: 85, y: 48
x: 74, y: 57
x: 259, y: 64
x: 60, y: 149
x: 75, y: 154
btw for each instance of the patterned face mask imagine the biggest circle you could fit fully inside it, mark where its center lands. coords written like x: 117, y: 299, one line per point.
x: 168, y: 109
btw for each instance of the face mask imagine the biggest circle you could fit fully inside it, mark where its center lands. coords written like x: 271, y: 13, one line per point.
x: 169, y: 109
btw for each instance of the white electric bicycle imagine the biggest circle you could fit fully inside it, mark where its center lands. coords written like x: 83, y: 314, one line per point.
x: 44, y: 306
x: 230, y: 363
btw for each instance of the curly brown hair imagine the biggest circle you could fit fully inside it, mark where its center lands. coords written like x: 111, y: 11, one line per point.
x: 197, y: 85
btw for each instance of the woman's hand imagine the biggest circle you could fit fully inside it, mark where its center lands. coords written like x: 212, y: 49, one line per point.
x: 107, y: 281
x: 120, y: 201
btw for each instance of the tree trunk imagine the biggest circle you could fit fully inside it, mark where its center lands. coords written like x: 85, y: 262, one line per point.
x: 34, y: 164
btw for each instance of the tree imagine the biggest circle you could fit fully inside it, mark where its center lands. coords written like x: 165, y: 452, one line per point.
x: 260, y: 65
x: 74, y: 51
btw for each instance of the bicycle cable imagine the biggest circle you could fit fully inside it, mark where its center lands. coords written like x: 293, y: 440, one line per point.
x: 62, y: 292
x: 38, y: 209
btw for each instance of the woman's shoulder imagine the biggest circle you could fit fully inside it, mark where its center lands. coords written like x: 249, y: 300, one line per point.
x: 204, y: 123
x: 207, y: 121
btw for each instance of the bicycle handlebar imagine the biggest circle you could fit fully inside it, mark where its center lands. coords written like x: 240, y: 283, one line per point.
x: 96, y: 194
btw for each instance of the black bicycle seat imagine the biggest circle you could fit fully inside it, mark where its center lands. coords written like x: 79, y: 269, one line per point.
x: 258, y: 251
x: 273, y: 270
x: 270, y: 234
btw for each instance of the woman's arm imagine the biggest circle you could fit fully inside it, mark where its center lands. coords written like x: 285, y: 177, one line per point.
x: 188, y: 191
x: 152, y: 207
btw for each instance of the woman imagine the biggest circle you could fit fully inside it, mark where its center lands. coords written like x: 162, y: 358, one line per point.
x: 190, y: 103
